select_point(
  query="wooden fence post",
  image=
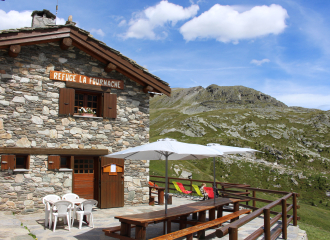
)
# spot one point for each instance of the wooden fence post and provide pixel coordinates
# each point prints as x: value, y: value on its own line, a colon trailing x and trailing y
x: 233, y: 233
x: 191, y: 188
x: 254, y: 201
x: 284, y: 220
x: 267, y: 223
x: 295, y: 222
x: 247, y: 203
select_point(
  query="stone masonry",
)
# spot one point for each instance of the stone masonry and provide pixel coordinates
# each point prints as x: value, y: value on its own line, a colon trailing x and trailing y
x: 29, y: 118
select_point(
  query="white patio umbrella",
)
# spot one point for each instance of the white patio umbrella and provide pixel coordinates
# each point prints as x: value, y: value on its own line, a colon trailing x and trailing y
x: 226, y: 150
x: 167, y: 149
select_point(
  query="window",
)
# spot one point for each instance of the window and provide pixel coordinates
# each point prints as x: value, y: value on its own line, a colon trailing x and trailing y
x: 15, y: 162
x: 103, y: 103
x: 87, y: 100
x: 59, y: 163
x: 21, y: 162
x: 83, y: 166
x: 65, y: 162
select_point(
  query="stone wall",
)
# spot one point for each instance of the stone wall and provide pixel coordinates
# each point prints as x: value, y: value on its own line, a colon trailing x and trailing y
x: 29, y: 118
x: 23, y: 191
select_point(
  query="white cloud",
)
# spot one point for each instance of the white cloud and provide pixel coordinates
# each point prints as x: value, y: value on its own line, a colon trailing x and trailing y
x: 260, y: 62
x: 307, y: 100
x: 226, y: 24
x: 146, y: 22
x: 15, y: 19
x: 98, y: 32
x: 122, y: 23
x: 61, y: 21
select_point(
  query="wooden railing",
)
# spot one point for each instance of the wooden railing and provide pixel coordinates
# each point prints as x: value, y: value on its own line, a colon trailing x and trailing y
x: 242, y: 191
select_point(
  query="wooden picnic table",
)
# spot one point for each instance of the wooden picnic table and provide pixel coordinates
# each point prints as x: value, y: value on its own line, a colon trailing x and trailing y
x: 160, y: 193
x: 142, y: 220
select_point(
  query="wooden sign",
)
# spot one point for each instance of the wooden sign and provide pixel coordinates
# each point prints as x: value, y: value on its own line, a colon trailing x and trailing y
x: 113, y: 169
x: 71, y: 77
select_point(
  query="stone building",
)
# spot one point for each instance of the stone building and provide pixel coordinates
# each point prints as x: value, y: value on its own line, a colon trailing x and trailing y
x: 47, y: 74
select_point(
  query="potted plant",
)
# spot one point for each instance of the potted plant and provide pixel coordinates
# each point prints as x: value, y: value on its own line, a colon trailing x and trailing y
x: 88, y: 112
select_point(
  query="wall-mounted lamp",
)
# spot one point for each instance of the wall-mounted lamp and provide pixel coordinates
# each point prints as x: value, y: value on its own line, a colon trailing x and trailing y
x: 155, y: 93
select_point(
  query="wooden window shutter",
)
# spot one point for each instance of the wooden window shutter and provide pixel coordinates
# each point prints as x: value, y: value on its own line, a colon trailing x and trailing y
x: 66, y: 101
x: 8, y: 162
x: 54, y: 162
x: 28, y: 162
x: 109, y: 105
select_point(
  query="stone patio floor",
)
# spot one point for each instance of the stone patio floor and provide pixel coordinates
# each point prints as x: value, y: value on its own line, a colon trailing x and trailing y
x: 18, y: 226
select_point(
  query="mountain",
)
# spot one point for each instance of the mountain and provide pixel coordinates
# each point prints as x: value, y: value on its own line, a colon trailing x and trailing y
x: 199, y: 99
x: 295, y: 141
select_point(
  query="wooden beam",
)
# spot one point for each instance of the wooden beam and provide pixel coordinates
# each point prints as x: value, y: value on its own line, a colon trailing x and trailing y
x: 33, y: 41
x: 148, y: 89
x: 88, y: 87
x: 121, y: 63
x: 93, y: 47
x: 110, y: 67
x: 53, y: 151
x: 66, y: 43
x: 14, y: 50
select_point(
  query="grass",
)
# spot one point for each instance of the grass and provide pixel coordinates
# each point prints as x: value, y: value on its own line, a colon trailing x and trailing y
x: 313, y: 232
x: 303, y: 153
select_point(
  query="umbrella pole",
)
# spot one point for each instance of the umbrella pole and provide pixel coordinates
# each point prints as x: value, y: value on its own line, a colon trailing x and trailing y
x: 214, y: 186
x: 166, y: 190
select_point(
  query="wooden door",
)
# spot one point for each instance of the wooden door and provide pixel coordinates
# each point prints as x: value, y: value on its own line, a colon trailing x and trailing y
x: 111, y: 186
x: 83, y: 179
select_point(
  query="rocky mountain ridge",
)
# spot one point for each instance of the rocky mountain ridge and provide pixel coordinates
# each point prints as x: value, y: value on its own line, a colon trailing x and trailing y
x: 295, y: 141
x: 198, y: 99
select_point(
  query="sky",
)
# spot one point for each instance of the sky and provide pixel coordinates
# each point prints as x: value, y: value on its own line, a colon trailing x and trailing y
x: 279, y: 47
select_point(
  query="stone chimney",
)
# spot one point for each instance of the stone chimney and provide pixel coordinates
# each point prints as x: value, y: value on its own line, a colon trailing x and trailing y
x: 42, y: 19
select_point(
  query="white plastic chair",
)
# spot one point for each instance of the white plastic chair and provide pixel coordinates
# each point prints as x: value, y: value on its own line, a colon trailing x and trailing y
x: 47, y: 206
x: 86, y: 208
x: 70, y: 196
x: 63, y: 211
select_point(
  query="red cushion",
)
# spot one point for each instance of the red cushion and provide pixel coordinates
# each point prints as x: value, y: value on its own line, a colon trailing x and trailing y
x: 183, y: 189
x: 209, y: 192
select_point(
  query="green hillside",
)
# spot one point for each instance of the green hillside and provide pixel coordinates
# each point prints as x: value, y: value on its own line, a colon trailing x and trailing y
x: 294, y: 141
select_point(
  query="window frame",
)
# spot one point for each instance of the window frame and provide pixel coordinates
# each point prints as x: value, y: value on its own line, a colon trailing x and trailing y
x: 107, y: 103
x: 85, y: 101
x: 9, y: 162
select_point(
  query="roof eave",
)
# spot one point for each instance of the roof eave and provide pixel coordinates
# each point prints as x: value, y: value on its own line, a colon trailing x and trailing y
x: 85, y: 42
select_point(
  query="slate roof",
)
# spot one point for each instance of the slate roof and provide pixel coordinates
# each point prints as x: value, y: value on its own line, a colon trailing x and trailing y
x: 27, y: 29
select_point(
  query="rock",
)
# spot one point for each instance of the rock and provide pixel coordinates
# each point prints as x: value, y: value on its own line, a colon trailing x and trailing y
x: 37, y: 120
x: 62, y: 60
x: 76, y: 130
x: 23, y: 142
x: 131, y: 195
x: 18, y: 99
x: 42, y: 57
x: 5, y: 103
x: 19, y: 178
x: 31, y: 98
x: 45, y: 110
x: 294, y: 181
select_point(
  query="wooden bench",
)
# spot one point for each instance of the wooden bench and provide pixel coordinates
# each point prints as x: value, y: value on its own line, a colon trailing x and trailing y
x: 188, y: 232
x: 109, y: 231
